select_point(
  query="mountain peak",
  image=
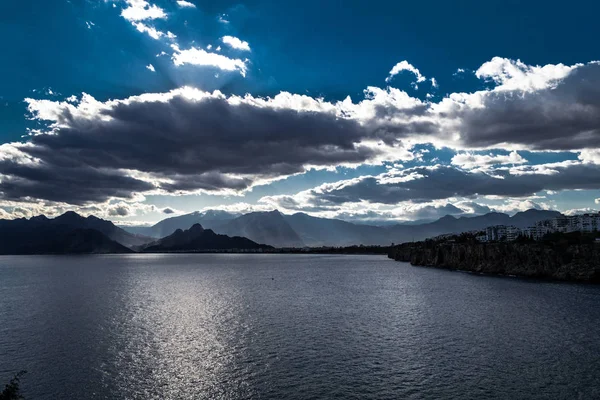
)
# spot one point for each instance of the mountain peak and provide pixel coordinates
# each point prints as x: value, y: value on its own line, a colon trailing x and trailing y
x: 69, y: 216
x: 196, y: 228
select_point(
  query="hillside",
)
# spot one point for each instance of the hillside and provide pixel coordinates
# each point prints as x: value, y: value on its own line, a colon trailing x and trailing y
x: 198, y: 239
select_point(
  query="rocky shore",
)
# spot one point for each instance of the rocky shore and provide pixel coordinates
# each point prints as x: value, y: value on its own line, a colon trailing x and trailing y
x: 546, y: 260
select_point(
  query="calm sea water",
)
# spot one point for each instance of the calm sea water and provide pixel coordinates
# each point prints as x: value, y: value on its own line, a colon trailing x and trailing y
x: 290, y: 327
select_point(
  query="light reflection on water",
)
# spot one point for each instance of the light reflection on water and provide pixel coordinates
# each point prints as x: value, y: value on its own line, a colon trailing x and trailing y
x: 290, y: 326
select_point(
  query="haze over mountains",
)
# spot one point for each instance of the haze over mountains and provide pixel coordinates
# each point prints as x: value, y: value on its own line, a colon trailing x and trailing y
x: 298, y: 230
x: 219, y: 230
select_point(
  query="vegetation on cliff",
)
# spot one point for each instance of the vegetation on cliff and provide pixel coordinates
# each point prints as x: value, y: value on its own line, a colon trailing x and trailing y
x: 570, y: 257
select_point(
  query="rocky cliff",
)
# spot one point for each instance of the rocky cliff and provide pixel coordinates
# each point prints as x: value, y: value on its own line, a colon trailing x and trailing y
x: 570, y: 262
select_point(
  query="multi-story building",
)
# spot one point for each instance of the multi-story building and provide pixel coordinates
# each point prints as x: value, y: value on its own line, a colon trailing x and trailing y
x: 574, y: 223
x: 512, y: 233
x: 537, y: 231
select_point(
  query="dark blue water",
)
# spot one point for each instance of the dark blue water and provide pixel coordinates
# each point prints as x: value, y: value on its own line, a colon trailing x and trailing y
x: 290, y: 327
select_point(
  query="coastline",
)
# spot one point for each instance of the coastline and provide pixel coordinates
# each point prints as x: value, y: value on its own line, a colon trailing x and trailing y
x: 568, y: 263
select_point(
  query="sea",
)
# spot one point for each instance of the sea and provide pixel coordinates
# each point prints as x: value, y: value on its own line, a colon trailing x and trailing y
x: 287, y: 326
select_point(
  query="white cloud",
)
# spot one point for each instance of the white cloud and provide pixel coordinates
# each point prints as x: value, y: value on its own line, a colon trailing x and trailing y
x: 223, y: 19
x: 434, y: 83
x: 405, y: 66
x: 140, y: 10
x: 476, y: 161
x: 590, y: 156
x: 196, y: 56
x: 235, y: 43
x: 516, y: 75
x: 150, y: 67
x: 185, y: 4
x: 151, y: 31
x: 578, y: 211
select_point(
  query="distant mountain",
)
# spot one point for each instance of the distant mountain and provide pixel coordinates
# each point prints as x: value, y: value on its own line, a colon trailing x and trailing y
x: 263, y: 227
x: 69, y: 232
x: 450, y: 224
x: 209, y: 219
x: 40, y: 236
x: 73, y: 220
x: 317, y: 232
x: 527, y: 218
x: 301, y: 229
x: 197, y: 239
x: 85, y: 241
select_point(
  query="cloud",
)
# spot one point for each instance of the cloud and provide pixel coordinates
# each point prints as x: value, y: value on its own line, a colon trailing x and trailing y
x: 141, y: 10
x: 185, y: 4
x: 439, y: 182
x: 185, y: 140
x: 405, y: 66
x: 553, y: 107
x: 151, y: 31
x: 475, y: 161
x: 577, y: 211
x: 150, y: 67
x: 188, y: 140
x: 235, y: 43
x: 516, y: 75
x: 197, y: 56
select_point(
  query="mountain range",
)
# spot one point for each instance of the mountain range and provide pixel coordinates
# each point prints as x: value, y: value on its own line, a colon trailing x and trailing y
x: 299, y: 230
x: 220, y: 230
x: 197, y: 238
x: 68, y: 233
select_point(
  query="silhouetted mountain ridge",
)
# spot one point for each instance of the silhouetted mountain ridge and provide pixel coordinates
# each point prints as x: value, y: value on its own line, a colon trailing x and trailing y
x: 300, y: 229
x: 197, y: 239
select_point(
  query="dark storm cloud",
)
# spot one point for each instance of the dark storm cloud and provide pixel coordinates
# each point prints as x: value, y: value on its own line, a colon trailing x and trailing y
x: 443, y: 182
x: 566, y: 117
x: 64, y: 184
x: 187, y: 140
x: 194, y: 137
x: 181, y: 144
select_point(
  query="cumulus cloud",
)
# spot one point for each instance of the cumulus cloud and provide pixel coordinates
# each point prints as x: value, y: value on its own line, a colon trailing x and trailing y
x: 428, y: 183
x: 477, y: 161
x: 151, y: 31
x: 513, y: 75
x: 188, y: 140
x: 140, y: 10
x: 235, y: 43
x: 185, y: 4
x: 150, y: 67
x: 406, y: 66
x: 201, y: 57
x: 541, y: 108
x: 181, y: 141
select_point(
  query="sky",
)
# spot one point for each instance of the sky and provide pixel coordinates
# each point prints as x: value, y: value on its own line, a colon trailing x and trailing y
x: 372, y: 112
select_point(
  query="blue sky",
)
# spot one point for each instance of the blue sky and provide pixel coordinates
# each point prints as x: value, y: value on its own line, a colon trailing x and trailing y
x: 349, y: 109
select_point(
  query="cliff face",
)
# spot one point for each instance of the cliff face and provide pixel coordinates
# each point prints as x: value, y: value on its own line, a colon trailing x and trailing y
x: 577, y: 262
